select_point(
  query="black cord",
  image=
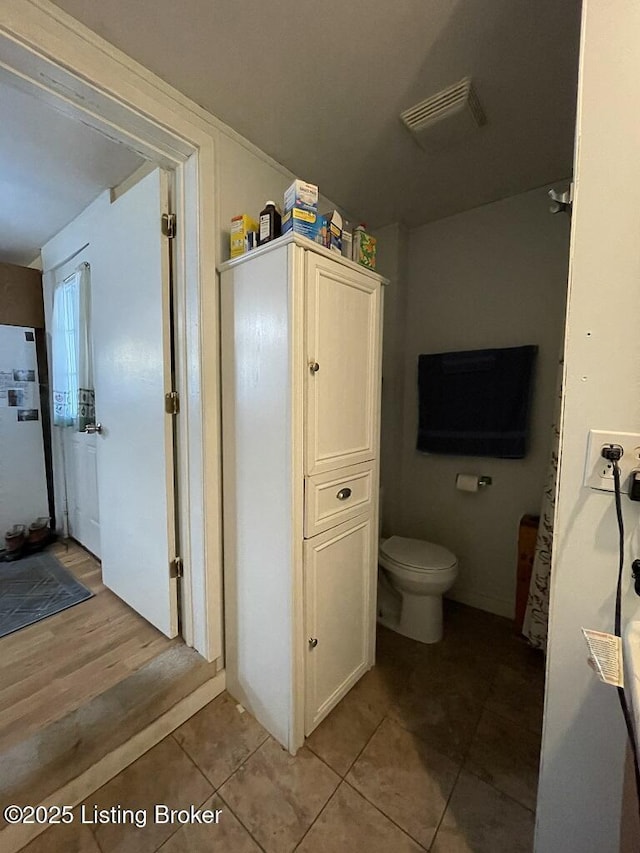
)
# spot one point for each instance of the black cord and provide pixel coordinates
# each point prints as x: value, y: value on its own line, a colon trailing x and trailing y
x: 618, y: 624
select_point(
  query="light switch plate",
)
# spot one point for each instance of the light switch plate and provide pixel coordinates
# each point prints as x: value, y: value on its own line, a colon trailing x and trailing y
x: 598, y: 472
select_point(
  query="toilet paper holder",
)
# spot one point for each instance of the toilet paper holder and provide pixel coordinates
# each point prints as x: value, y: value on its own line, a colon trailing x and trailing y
x: 471, y: 483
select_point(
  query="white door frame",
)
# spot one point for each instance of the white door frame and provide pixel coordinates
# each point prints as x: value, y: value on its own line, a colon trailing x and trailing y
x: 49, y: 54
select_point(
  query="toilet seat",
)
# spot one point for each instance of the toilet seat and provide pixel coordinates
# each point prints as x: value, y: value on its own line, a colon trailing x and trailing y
x: 417, y: 555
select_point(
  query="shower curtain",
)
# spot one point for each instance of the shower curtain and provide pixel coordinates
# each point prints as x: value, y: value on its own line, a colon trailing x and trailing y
x: 537, y: 613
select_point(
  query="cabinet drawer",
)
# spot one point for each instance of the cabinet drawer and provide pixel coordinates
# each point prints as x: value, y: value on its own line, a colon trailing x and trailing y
x: 337, y: 496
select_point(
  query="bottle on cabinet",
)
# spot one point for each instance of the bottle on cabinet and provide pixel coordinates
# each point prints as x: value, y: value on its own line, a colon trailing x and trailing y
x: 270, y: 223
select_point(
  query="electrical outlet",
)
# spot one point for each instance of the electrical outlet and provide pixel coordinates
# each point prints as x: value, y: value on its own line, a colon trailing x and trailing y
x: 605, y: 471
x: 598, y: 472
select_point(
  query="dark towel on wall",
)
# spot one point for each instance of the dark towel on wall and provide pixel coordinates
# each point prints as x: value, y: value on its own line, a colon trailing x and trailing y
x: 475, y: 403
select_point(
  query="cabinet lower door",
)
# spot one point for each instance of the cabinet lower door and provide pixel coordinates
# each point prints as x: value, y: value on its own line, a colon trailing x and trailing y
x: 339, y: 572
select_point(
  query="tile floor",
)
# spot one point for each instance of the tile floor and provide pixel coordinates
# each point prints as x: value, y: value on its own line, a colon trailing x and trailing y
x: 435, y: 749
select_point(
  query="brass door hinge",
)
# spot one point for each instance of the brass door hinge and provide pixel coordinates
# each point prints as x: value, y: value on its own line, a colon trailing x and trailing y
x: 176, y: 568
x: 169, y: 225
x: 172, y: 403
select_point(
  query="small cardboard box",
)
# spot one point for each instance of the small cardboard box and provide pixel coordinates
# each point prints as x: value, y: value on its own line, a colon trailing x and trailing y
x: 307, y: 223
x: 302, y: 195
x: 364, y: 249
x: 333, y: 233
x: 238, y: 238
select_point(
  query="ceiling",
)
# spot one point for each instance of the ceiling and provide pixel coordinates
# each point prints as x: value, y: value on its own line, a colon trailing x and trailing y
x: 51, y: 168
x: 319, y: 87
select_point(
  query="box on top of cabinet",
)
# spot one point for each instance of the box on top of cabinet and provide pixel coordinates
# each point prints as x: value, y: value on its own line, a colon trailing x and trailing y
x: 301, y: 195
x: 308, y: 223
x: 241, y: 227
x: 333, y: 231
x: 364, y: 248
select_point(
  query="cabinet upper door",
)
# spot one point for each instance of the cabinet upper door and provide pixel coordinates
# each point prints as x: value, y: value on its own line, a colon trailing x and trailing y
x: 343, y: 365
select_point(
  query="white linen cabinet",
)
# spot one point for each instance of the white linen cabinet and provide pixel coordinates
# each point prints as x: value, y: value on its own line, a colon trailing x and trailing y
x: 301, y: 356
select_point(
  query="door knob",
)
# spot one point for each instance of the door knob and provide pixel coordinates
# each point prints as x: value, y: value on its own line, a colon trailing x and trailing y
x: 91, y: 429
x: 314, y: 367
x: 313, y: 642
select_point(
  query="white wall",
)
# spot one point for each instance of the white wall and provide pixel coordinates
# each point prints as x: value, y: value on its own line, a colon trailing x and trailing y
x: 495, y: 276
x: 246, y: 181
x: 583, y: 740
x: 23, y: 485
x: 392, y: 257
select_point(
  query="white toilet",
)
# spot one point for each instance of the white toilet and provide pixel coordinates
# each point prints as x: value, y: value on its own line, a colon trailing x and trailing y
x: 412, y: 578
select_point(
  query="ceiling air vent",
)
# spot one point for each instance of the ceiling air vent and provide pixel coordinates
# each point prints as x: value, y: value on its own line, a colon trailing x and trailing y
x: 443, y: 119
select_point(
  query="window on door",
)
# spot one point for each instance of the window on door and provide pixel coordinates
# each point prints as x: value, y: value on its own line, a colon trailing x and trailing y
x: 73, y: 394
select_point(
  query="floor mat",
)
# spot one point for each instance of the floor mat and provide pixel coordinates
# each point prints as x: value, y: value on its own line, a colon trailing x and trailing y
x: 33, y: 588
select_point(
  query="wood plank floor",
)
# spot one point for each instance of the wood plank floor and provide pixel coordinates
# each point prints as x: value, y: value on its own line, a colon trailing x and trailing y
x: 50, y: 669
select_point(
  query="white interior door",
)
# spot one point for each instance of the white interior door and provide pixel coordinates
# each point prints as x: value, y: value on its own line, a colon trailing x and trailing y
x: 132, y: 370
x: 80, y: 461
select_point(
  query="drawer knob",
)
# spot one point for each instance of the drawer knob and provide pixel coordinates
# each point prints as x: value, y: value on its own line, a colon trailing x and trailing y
x: 313, y: 642
x: 343, y: 494
x: 314, y: 367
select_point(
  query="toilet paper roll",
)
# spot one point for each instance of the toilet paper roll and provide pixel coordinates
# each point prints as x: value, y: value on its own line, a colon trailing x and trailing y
x: 467, y: 482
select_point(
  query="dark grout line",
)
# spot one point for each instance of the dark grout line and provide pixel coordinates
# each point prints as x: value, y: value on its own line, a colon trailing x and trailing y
x: 326, y: 763
x: 458, y: 758
x: 364, y: 796
x: 244, y: 761
x: 466, y: 752
x: 313, y: 822
x: 95, y: 838
x: 237, y: 817
x: 499, y: 790
x: 373, y: 734
x: 348, y: 770
x: 446, y: 805
x: 203, y: 772
x: 537, y: 732
x: 384, y: 815
x: 341, y: 777
x: 198, y: 805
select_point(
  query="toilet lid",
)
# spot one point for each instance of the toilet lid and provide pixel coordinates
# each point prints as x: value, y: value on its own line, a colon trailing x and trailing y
x: 417, y: 553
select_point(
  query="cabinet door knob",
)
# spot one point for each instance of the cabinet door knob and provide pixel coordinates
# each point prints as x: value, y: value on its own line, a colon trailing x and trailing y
x: 313, y: 642
x: 343, y: 494
x: 314, y: 367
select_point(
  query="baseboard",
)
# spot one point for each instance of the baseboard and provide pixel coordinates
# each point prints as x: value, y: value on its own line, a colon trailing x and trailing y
x: 14, y: 838
x: 483, y: 602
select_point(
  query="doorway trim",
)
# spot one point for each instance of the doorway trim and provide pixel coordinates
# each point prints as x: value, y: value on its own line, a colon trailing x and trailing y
x: 51, y: 55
